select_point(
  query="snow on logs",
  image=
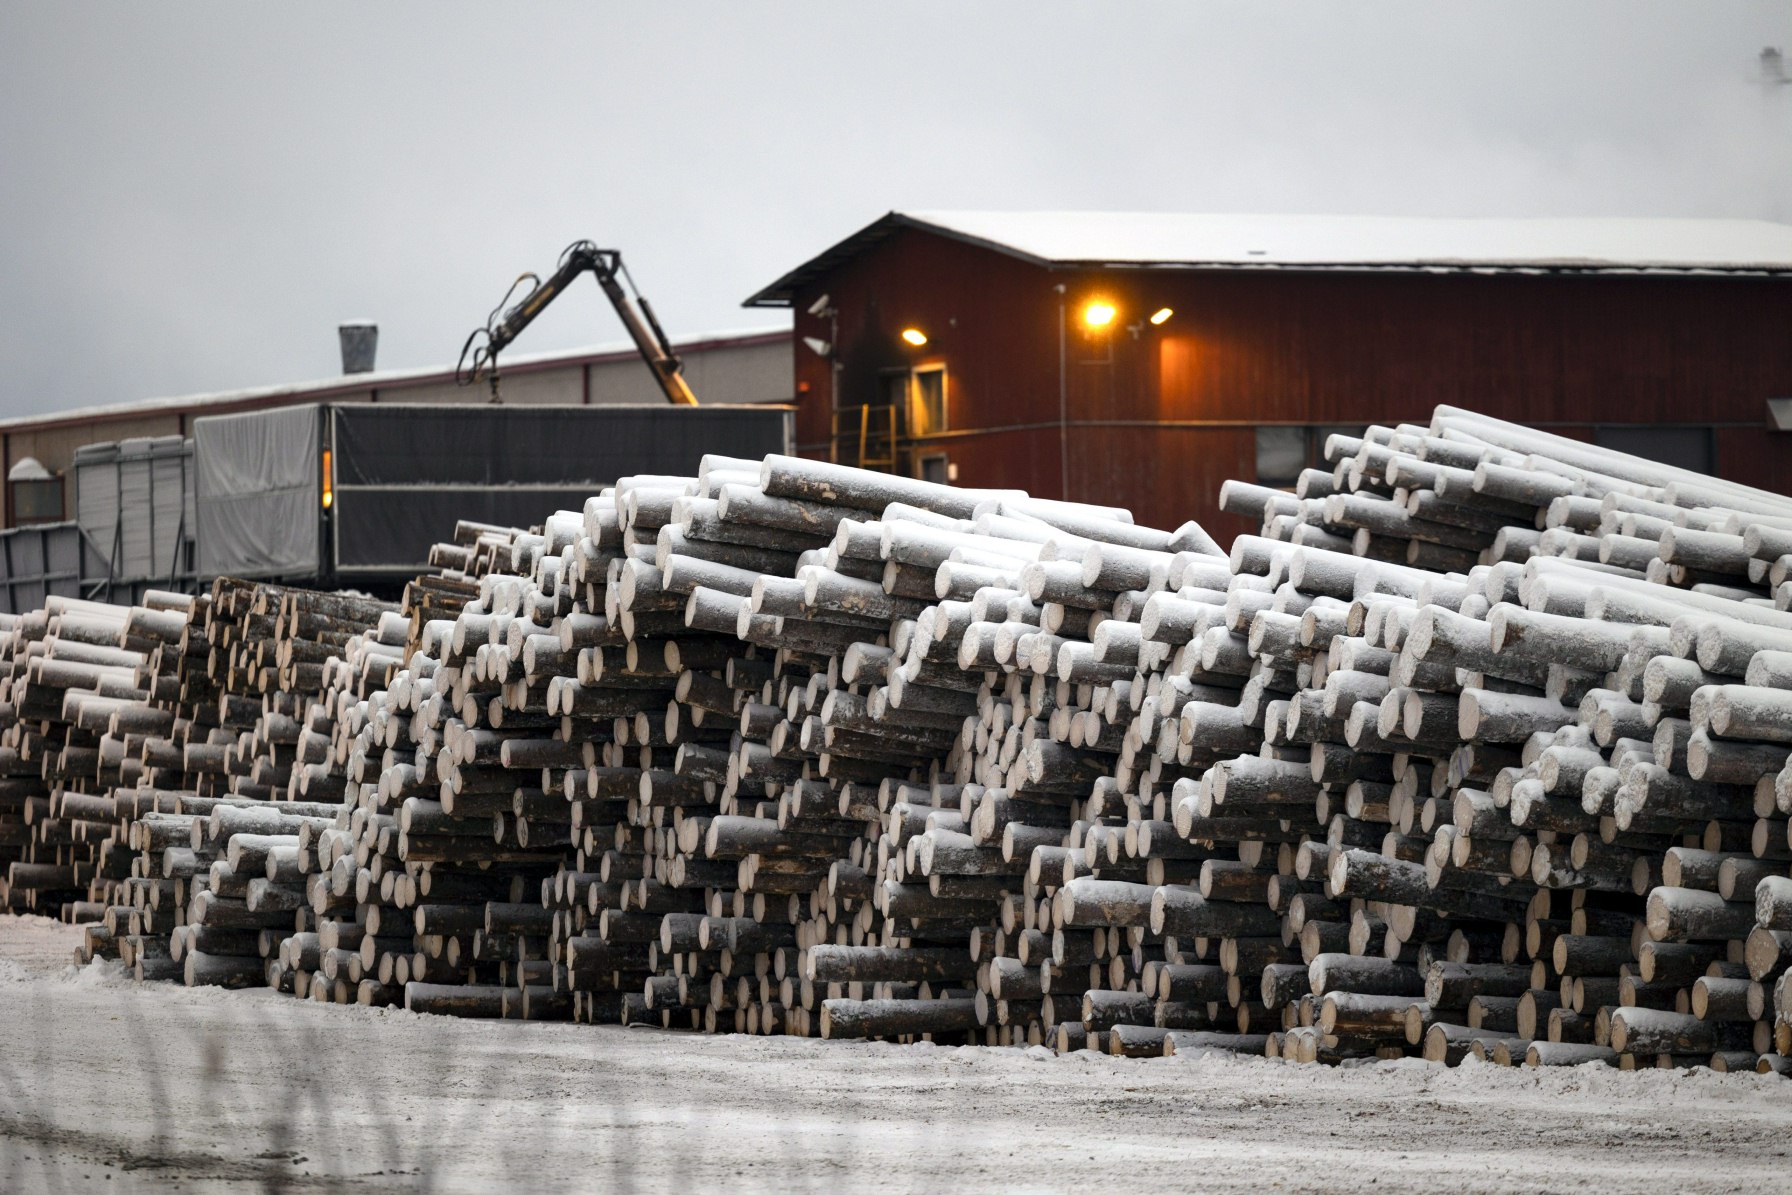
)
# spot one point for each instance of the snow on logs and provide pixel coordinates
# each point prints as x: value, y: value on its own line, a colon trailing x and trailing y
x: 168, y: 757
x: 1480, y: 747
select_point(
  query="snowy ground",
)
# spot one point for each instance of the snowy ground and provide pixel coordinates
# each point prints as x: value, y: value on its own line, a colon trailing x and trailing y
x: 106, y: 1085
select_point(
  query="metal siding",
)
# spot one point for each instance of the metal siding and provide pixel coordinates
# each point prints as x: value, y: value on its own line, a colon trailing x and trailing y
x: 172, y: 492
x: 1026, y: 460
x: 96, y: 481
x: 1360, y: 348
x: 136, y: 512
x: 1245, y: 348
x: 1756, y: 457
x: 49, y: 558
x: 990, y: 319
x: 514, y: 390
x: 1165, y: 475
x: 750, y: 373
x: 55, y: 446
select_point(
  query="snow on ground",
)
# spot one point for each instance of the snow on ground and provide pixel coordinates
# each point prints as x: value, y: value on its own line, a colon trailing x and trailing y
x: 105, y: 1084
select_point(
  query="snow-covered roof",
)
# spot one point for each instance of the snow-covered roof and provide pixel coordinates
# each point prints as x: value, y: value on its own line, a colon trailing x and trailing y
x: 1225, y: 242
x: 325, y: 388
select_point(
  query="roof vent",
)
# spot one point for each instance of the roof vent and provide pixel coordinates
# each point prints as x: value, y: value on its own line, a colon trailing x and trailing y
x: 1773, y: 67
x: 360, y: 339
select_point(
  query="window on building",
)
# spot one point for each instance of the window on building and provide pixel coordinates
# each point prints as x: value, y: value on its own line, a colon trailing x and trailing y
x: 37, y: 501
x: 936, y: 467
x: 927, y: 398
x: 35, y: 494
x: 1681, y: 446
x: 1282, y: 453
x: 896, y: 390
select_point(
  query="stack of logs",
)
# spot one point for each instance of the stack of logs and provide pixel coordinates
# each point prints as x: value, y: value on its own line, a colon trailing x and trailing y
x: 143, y: 738
x: 1552, y: 785
x: 1480, y: 747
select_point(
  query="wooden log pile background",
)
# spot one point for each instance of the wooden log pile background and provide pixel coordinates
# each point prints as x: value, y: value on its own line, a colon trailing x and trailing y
x: 1480, y: 746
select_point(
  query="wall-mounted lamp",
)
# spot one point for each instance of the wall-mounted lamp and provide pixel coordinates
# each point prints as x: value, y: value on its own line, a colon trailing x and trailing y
x: 1098, y: 314
x: 1160, y: 315
x: 914, y: 336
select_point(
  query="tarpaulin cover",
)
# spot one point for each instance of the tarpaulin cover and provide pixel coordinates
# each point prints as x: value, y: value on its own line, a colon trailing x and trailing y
x: 406, y: 473
x: 256, y: 498
x: 381, y: 529
x: 497, y: 446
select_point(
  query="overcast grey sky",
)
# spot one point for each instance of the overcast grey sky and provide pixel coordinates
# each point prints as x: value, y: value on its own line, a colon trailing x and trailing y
x: 194, y: 195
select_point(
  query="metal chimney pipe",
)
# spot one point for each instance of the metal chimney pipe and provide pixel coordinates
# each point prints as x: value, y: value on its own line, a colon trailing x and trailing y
x: 360, y: 340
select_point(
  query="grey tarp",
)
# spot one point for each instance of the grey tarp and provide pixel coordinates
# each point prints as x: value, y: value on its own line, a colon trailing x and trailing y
x: 257, y: 497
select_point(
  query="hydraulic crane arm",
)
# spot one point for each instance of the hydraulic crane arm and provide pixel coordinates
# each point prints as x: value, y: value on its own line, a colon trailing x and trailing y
x: 480, y: 353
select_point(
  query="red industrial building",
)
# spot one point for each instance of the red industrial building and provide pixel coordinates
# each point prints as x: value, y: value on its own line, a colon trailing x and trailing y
x: 1143, y: 358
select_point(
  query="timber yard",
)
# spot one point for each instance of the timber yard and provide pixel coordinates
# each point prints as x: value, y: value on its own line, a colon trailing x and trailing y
x: 1066, y: 697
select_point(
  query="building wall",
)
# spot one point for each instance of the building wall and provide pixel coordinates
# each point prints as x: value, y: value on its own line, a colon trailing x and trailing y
x: 516, y: 388
x: 744, y: 369
x: 727, y: 373
x: 990, y: 318
x: 1159, y: 416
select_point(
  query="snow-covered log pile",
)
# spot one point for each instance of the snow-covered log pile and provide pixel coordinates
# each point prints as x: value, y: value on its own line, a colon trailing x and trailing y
x: 143, y: 738
x: 1551, y: 783
x: 64, y: 671
x: 1481, y: 746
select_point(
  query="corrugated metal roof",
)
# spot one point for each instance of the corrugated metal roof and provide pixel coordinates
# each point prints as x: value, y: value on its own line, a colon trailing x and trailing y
x: 1225, y: 242
x: 325, y: 388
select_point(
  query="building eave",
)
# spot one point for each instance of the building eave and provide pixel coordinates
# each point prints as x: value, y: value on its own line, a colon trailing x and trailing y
x: 783, y: 291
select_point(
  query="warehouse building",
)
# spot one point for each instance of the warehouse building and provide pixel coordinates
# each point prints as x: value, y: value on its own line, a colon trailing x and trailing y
x: 37, y: 453
x: 1142, y: 358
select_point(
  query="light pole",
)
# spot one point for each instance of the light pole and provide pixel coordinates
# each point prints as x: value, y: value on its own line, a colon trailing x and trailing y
x: 1063, y: 397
